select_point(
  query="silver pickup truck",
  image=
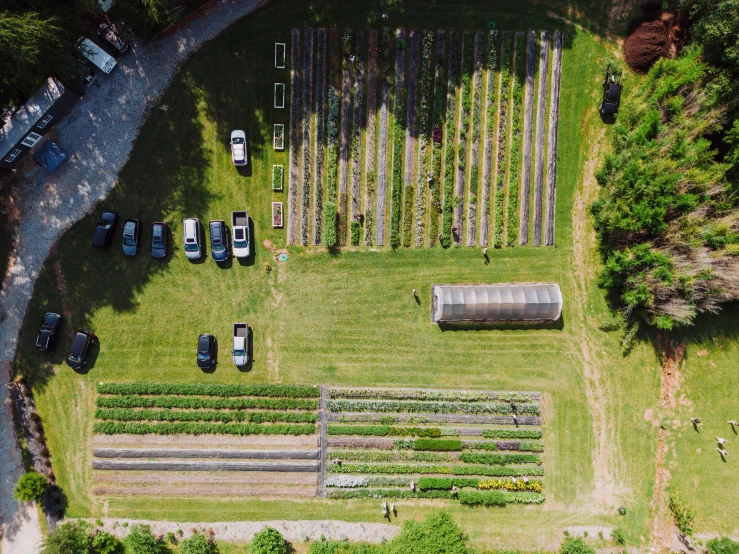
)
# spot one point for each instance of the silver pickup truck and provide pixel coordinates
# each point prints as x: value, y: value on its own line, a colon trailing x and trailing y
x: 241, y: 344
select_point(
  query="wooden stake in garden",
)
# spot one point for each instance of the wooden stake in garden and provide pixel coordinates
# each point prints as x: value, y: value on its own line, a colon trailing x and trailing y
x: 552, y: 140
x: 528, y: 116
x: 541, y: 110
x: 294, y: 177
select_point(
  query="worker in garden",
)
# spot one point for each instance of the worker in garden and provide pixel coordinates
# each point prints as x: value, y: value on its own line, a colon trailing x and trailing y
x: 720, y: 440
x: 415, y: 293
x: 723, y: 453
x: 733, y: 423
x: 695, y: 421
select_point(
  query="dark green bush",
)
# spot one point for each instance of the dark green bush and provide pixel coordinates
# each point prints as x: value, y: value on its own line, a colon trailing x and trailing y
x: 445, y: 483
x: 198, y: 544
x: 724, y: 545
x: 437, y: 534
x: 441, y: 445
x: 572, y: 545
x: 31, y: 487
x: 74, y: 537
x: 268, y: 541
x: 140, y: 540
x: 476, y: 498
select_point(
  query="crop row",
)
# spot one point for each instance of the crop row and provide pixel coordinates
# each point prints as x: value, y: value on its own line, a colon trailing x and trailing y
x: 424, y: 132
x: 515, y: 141
x: 449, y: 140
x: 499, y: 459
x: 511, y: 433
x: 127, y: 414
x: 330, y: 237
x: 476, y: 126
x: 511, y: 485
x: 446, y: 483
x: 398, y: 133
x: 436, y: 140
x: 505, y: 77
x: 471, y: 498
x: 383, y: 431
x: 356, y: 141
x: 431, y: 395
x: 491, y: 106
x: 430, y: 407
x: 193, y: 389
x: 405, y: 469
x: 388, y: 493
x: 320, y: 118
x: 384, y: 456
x: 466, y: 102
x: 194, y: 403
x: 506, y: 445
x: 112, y: 428
x: 307, y: 115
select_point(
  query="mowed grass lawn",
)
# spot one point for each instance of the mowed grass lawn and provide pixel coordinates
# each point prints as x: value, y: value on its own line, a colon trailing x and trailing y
x: 345, y: 317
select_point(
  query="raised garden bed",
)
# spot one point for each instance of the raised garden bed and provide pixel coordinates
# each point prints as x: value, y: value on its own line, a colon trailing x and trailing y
x: 278, y: 177
x: 280, y: 55
x: 279, y: 100
x: 277, y: 215
x: 278, y: 140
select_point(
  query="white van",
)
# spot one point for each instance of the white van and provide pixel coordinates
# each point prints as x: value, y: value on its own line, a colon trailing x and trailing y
x: 96, y: 55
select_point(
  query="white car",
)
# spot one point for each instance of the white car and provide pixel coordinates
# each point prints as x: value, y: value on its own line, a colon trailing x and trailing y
x: 192, y: 238
x: 238, y: 148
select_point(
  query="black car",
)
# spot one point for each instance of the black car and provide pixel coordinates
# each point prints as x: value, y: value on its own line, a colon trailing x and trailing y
x: 113, y: 39
x: 611, y: 95
x: 47, y: 336
x: 131, y: 237
x: 80, y: 347
x: 158, y: 239
x: 104, y: 229
x: 218, y: 240
x: 206, y: 351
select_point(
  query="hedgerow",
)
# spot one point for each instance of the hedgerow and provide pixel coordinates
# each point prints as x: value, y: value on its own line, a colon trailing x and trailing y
x: 511, y: 433
x: 127, y: 414
x: 445, y: 483
x: 383, y: 431
x: 112, y: 428
x: 290, y: 391
x: 505, y: 78
x: 437, y: 445
x: 429, y: 407
x: 429, y: 395
x: 477, y: 498
x: 490, y: 471
x: 499, y: 459
x: 518, y: 77
x: 205, y: 403
x: 449, y: 141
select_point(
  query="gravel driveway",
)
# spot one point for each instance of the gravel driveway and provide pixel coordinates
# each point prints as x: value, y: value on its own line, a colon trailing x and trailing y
x: 97, y: 135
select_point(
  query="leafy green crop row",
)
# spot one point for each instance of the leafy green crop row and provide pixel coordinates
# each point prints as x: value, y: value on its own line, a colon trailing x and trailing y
x: 127, y: 414
x: 492, y: 66
x: 383, y: 431
x: 511, y: 433
x: 424, y: 135
x: 433, y: 395
x: 445, y: 483
x: 290, y: 391
x: 437, y: 445
x: 476, y: 125
x: 429, y: 407
x: 499, y: 459
x: 320, y: 126
x: 111, y: 428
x: 132, y: 401
x: 467, y: 54
x: 476, y: 498
x: 517, y: 94
x: 449, y: 141
x: 388, y: 493
x: 398, y: 134
x: 505, y: 78
x: 436, y: 142
x: 405, y: 469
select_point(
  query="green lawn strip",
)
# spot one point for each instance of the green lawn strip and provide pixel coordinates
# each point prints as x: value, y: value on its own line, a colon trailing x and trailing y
x: 468, y: 48
x: 189, y: 402
x: 437, y: 133
x: 515, y: 153
x: 128, y: 414
x: 502, y: 157
x: 397, y: 126
x: 111, y: 428
x: 291, y: 391
x: 450, y: 134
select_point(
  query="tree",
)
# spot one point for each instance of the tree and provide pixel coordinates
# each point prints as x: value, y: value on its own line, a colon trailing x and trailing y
x: 105, y: 543
x: 715, y: 26
x: 71, y: 538
x: 31, y: 487
x: 724, y: 545
x: 572, y: 545
x: 140, y: 540
x: 437, y: 534
x: 268, y: 541
x: 198, y: 544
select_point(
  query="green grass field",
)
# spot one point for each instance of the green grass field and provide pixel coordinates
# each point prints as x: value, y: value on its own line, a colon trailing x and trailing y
x: 349, y: 318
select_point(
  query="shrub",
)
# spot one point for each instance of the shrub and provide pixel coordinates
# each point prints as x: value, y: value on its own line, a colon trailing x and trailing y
x: 476, y: 498
x: 198, y: 544
x: 105, y: 543
x: 140, y: 540
x: 444, y: 483
x: 572, y: 545
x: 618, y: 535
x: 437, y: 534
x: 290, y: 391
x: 682, y: 514
x: 70, y: 538
x: 268, y: 541
x: 724, y: 545
x: 31, y: 487
x: 437, y: 445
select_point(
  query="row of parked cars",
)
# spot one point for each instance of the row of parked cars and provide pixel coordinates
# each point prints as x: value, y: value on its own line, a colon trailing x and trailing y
x: 207, y: 345
x: 48, y: 337
x: 219, y: 236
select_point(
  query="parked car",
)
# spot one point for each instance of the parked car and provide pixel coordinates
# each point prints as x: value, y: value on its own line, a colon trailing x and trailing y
x: 611, y: 95
x: 113, y: 39
x: 131, y: 237
x: 80, y: 348
x: 206, y: 351
x: 158, y: 239
x: 96, y: 55
x: 238, y: 148
x: 104, y: 229
x: 240, y: 232
x: 192, y: 238
x: 240, y: 352
x: 218, y: 240
x: 47, y: 336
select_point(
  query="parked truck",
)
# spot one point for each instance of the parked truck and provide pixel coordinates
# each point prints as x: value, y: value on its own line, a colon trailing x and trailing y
x: 240, y: 231
x: 241, y: 344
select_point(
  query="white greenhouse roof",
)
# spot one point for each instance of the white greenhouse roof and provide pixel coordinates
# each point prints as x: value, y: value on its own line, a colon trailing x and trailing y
x: 496, y: 302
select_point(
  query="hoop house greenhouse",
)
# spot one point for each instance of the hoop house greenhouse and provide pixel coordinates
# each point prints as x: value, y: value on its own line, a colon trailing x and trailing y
x: 499, y: 302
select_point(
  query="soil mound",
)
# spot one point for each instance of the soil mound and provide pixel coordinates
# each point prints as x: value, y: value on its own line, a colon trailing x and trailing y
x: 657, y: 34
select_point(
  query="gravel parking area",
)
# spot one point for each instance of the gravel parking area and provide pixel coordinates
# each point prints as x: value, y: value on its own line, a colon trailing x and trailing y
x: 98, y: 136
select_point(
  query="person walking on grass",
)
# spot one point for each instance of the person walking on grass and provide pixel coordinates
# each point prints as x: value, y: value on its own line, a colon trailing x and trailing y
x: 695, y: 421
x: 723, y: 453
x: 415, y: 293
x: 733, y: 423
x: 720, y: 441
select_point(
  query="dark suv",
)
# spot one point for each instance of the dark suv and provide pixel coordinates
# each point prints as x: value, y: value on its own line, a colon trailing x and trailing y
x: 80, y: 347
x: 47, y: 336
x: 218, y: 240
x: 104, y: 229
x: 206, y: 351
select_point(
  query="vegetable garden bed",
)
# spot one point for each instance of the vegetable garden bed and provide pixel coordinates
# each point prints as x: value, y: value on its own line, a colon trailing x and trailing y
x: 278, y: 178
x: 277, y: 215
x: 278, y: 139
x: 280, y: 55
x: 279, y: 97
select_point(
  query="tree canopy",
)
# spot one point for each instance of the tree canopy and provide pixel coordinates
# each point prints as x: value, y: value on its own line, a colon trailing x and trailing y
x: 31, y: 487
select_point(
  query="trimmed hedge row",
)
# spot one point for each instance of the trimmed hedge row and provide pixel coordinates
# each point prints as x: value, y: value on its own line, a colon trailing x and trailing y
x: 111, y: 428
x: 438, y: 445
x: 127, y: 414
x: 488, y: 471
x: 208, y: 403
x: 445, y: 483
x: 477, y: 498
x: 383, y: 431
x: 430, y: 395
x: 511, y: 434
x: 429, y: 407
x: 499, y: 459
x: 289, y: 391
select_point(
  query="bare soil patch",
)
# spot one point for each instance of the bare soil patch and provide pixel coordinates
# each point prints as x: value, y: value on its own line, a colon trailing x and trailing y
x: 110, y: 478
x: 657, y: 34
x: 203, y: 490
x: 184, y: 441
